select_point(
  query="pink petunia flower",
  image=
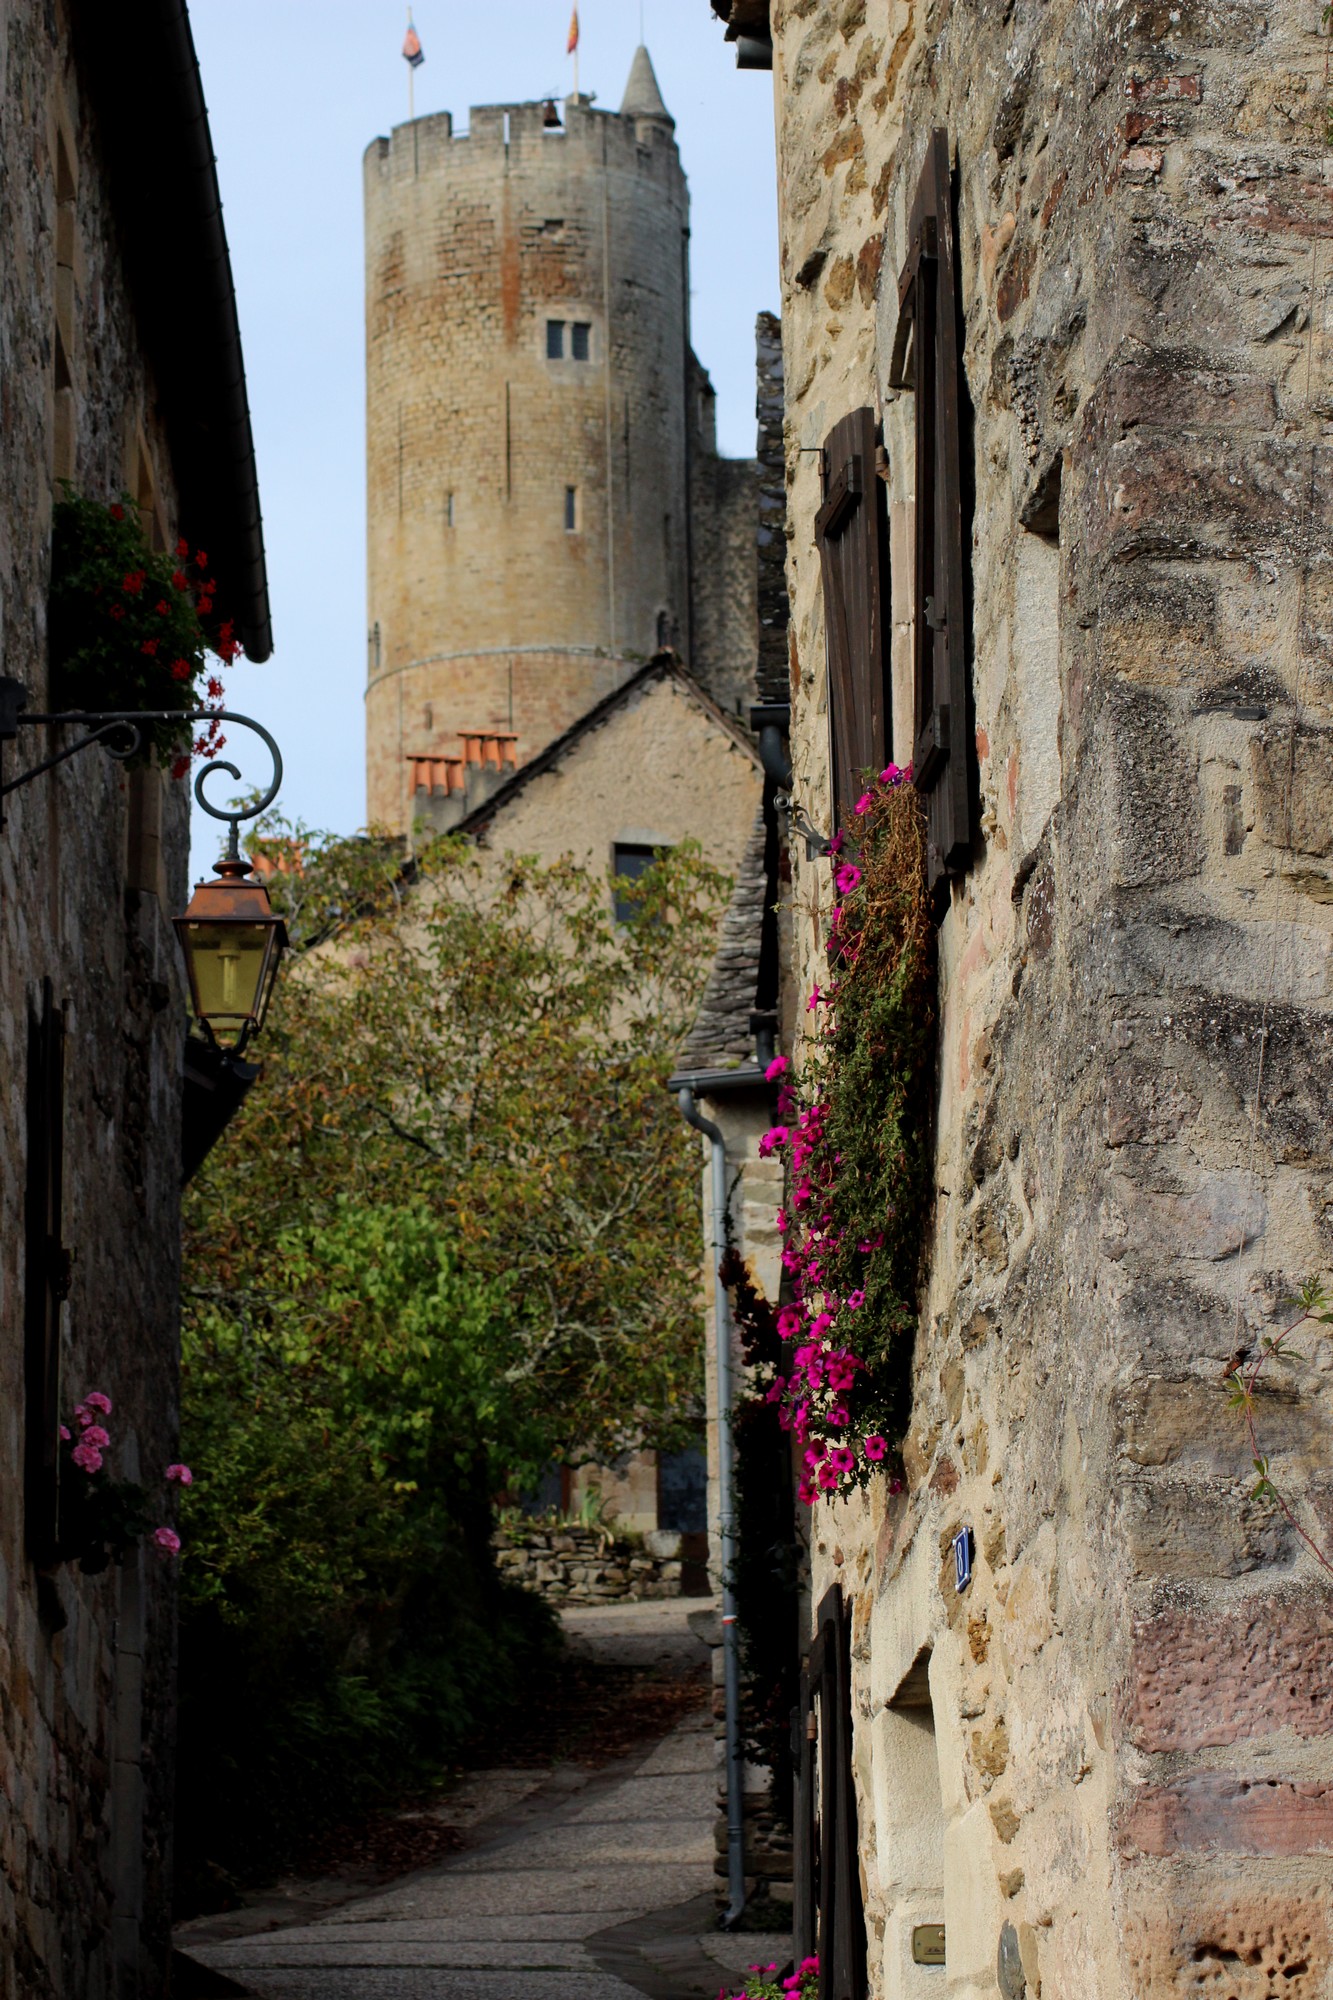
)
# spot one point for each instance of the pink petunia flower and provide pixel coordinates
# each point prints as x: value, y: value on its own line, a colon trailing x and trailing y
x: 839, y: 1417
x: 891, y: 776
x: 875, y: 1448
x: 848, y: 878
x: 776, y: 1136
x: 864, y: 803
x: 167, y: 1540
x: 841, y: 1459
x: 790, y: 1322
x: 855, y: 1299
x: 836, y: 844
x: 815, y: 998
x: 778, y: 1067
x: 180, y: 1475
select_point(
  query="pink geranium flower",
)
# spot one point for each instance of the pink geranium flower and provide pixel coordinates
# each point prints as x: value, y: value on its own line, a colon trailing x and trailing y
x: 168, y: 1540
x: 94, y: 1435
x: 180, y: 1475
x: 97, y: 1401
x: 87, y: 1457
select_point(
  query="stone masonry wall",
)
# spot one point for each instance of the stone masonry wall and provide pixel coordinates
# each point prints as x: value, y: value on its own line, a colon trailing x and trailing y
x: 1119, y: 1780
x: 86, y: 1663
x: 584, y: 1566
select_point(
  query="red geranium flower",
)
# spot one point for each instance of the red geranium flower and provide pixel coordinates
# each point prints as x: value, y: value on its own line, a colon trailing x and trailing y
x: 202, y: 560
x: 117, y: 610
x: 182, y: 547
x: 180, y: 670
x: 215, y: 689
x: 179, y: 578
x: 180, y: 767
x: 150, y: 647
x: 162, y: 608
x: 133, y: 583
x: 116, y: 511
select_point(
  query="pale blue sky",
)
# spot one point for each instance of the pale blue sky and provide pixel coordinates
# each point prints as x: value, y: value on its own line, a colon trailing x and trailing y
x: 296, y: 90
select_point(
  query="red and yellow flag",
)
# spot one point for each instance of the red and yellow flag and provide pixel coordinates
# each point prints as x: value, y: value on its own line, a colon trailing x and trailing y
x: 573, y: 41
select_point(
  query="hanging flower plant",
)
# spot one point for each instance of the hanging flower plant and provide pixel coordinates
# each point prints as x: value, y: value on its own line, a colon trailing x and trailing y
x: 132, y: 627
x: 102, y: 1518
x: 763, y: 1983
x: 856, y: 1140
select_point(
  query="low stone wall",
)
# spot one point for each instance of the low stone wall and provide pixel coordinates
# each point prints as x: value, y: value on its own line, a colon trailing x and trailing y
x: 587, y: 1565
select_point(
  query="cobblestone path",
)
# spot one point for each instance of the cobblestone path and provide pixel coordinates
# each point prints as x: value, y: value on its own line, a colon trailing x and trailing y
x: 576, y: 1885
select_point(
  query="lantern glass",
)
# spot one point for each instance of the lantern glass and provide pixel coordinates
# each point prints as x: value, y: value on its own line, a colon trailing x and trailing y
x: 229, y: 975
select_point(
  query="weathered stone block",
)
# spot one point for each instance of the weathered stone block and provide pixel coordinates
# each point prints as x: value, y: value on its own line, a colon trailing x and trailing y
x: 1199, y: 1679
x: 1246, y: 1946
x: 1214, y: 1811
x: 1163, y: 1423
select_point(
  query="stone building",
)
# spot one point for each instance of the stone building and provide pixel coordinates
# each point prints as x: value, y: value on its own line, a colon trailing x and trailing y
x: 122, y: 373
x: 1055, y: 281
x: 546, y: 504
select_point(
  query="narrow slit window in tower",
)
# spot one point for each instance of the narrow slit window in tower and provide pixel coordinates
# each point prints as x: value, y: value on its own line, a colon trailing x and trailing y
x: 448, y: 510
x: 555, y: 340
x: 571, y: 510
x: 581, y: 340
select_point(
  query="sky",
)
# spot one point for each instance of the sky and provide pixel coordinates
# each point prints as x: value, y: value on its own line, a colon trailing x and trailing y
x: 296, y: 90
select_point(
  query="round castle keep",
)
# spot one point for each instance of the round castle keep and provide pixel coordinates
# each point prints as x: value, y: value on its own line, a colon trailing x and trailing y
x: 528, y: 381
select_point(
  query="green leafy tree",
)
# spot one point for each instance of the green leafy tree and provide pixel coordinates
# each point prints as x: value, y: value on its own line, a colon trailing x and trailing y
x: 453, y: 1235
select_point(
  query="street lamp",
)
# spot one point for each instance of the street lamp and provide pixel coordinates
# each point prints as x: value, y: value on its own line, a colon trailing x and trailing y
x: 231, y: 938
x: 232, y: 941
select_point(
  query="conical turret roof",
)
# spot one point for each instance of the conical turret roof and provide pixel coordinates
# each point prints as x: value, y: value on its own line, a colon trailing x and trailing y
x: 642, y: 97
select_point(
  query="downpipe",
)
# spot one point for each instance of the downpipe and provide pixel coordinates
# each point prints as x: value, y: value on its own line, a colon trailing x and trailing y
x: 731, y: 1666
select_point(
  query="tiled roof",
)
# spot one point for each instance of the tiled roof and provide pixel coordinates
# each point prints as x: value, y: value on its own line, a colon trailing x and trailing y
x: 720, y: 1037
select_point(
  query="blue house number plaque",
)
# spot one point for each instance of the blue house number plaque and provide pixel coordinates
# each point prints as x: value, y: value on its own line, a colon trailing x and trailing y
x: 962, y: 1558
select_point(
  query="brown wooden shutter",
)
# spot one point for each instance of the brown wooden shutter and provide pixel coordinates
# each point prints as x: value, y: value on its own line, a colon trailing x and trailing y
x: 852, y: 538
x: 827, y: 1888
x: 926, y: 359
x: 46, y: 1274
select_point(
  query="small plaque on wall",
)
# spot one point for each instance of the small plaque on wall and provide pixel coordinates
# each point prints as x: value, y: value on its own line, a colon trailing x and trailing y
x: 962, y: 1559
x: 928, y: 1944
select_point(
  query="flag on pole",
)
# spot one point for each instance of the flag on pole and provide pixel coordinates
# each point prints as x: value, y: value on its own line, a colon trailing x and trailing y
x: 571, y: 45
x: 412, y: 52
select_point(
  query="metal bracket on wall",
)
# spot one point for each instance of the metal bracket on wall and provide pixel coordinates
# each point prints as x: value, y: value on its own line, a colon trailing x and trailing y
x: 120, y: 733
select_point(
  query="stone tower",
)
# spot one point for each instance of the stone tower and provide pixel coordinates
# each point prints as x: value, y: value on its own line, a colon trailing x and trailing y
x: 536, y: 426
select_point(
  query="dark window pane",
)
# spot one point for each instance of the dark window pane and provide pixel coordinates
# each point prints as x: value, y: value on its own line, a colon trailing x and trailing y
x: 571, y: 508
x: 682, y: 1490
x: 555, y: 339
x: 630, y: 861
x: 581, y: 340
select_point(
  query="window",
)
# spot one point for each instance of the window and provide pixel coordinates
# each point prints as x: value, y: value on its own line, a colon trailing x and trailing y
x: 630, y: 859
x: 448, y: 510
x: 580, y: 340
x: 927, y: 359
x: 571, y: 510
x: 555, y: 340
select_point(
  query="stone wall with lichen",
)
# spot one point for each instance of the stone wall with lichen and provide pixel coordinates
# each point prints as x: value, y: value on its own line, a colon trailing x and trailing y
x: 92, y: 864
x: 1109, y: 1774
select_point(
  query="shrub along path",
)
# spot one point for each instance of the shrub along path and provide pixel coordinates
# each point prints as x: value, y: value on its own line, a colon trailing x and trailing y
x: 586, y: 1881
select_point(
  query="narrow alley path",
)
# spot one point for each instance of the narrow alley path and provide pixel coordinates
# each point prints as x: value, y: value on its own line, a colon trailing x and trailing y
x: 575, y: 1884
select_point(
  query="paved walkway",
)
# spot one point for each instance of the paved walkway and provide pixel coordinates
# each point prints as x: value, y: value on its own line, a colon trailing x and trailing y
x: 576, y: 1885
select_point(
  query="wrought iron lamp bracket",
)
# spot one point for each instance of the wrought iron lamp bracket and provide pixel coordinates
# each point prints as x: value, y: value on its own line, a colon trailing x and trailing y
x: 817, y: 844
x: 120, y: 733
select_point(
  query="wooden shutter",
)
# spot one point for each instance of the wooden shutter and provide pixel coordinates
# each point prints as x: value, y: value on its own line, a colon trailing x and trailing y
x: 46, y: 1274
x: 828, y: 1916
x: 926, y: 359
x: 852, y: 538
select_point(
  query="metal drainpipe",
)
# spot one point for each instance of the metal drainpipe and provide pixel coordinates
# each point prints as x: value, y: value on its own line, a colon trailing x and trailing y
x: 731, y: 1666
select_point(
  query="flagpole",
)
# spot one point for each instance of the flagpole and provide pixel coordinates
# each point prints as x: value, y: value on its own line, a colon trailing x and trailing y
x: 411, y: 82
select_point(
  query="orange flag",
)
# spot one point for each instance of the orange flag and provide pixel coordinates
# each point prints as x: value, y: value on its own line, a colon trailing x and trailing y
x: 573, y: 41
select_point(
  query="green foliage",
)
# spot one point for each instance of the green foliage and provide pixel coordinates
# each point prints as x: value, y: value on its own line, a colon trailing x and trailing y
x: 127, y: 622
x: 447, y: 1241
